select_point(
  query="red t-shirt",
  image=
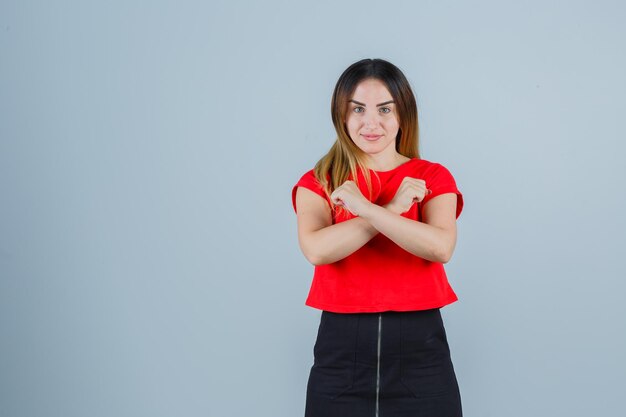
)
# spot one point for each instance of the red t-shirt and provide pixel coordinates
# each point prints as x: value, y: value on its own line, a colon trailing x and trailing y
x: 381, y: 276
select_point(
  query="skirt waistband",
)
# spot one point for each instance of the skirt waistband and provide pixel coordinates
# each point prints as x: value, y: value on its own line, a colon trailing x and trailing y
x: 398, y: 332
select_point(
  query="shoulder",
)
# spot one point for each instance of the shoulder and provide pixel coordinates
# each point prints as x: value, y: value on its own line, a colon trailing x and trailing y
x: 439, y: 180
x: 307, y: 175
x: 309, y: 178
x: 309, y: 181
x: 429, y: 168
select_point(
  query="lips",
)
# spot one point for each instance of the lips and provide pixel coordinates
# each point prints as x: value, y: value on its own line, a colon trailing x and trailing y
x: 371, y: 137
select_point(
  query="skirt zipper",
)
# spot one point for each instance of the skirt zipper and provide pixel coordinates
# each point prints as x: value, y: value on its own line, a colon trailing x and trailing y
x: 380, y: 324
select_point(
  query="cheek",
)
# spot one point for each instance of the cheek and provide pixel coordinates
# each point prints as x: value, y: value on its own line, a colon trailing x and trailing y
x: 352, y: 124
x: 392, y: 124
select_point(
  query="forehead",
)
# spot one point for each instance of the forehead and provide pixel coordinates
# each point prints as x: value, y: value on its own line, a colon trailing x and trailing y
x: 371, y: 90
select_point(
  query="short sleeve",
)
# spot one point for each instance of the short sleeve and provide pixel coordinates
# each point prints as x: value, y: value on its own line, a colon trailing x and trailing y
x: 309, y: 181
x: 440, y: 181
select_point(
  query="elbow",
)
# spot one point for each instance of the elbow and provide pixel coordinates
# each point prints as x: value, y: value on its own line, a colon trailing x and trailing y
x: 445, y: 258
x: 312, y: 252
x: 319, y: 260
x: 314, y: 257
x: 443, y: 254
x: 317, y: 257
x: 308, y: 250
x: 444, y: 249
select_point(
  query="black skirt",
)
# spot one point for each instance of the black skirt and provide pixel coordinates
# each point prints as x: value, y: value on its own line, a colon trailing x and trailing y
x: 389, y: 364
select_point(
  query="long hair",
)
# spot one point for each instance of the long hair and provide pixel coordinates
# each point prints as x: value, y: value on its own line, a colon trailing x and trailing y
x: 344, y: 157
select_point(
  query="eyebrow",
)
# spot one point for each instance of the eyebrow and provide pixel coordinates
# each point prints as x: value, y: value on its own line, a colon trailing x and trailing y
x: 378, y: 105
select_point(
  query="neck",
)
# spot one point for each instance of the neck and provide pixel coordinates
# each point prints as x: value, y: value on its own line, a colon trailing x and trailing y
x: 387, y: 165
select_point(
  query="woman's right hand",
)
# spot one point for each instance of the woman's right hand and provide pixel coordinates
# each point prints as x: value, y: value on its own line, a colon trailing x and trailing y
x: 409, y: 191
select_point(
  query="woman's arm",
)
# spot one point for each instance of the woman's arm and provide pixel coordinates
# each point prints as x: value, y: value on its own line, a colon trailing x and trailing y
x: 321, y: 241
x: 433, y: 239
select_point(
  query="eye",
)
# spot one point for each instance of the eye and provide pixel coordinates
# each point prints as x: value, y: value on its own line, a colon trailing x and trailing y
x: 385, y: 110
x: 358, y: 109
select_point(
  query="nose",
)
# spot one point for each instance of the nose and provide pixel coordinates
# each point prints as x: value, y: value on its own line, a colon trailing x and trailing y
x: 371, y: 120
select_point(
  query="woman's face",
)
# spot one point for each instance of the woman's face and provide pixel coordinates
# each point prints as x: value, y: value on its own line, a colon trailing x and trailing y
x: 372, y: 120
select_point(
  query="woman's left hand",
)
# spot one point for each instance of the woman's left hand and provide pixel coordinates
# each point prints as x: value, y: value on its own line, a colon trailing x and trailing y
x: 349, y: 196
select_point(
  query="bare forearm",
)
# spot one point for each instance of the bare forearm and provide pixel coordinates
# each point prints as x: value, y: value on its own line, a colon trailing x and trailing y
x: 420, y: 239
x: 335, y: 242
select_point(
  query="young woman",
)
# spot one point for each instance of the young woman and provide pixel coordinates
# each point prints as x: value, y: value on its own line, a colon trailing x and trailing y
x: 378, y: 222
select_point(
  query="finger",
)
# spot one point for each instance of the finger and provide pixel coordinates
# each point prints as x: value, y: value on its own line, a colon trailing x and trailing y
x: 429, y: 191
x: 424, y: 196
x: 414, y: 180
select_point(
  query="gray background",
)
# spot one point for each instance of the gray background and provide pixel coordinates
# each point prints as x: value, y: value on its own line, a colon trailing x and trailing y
x: 149, y: 263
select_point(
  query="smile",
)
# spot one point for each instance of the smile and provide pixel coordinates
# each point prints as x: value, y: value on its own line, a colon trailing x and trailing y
x: 372, y: 137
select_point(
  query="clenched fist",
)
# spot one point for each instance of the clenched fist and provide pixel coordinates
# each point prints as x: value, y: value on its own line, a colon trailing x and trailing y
x: 409, y: 191
x: 349, y: 196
